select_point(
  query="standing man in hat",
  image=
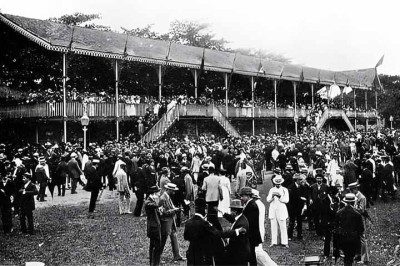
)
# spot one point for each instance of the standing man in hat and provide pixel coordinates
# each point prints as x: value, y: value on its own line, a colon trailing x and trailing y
x: 27, y: 204
x: 75, y: 172
x: 251, y: 212
x: 297, y: 200
x: 319, y: 191
x: 153, y: 225
x: 61, y: 174
x: 43, y: 177
x: 212, y: 187
x: 238, y: 250
x: 278, y: 197
x: 168, y: 220
x: 204, y: 241
x: 94, y: 184
x: 361, y: 206
x: 7, y: 189
x: 123, y: 189
x: 349, y: 228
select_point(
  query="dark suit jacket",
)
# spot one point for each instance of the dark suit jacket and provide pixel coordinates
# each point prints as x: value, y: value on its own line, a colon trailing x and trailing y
x: 153, y: 218
x: 93, y: 177
x: 252, y: 214
x: 238, y: 248
x: 317, y: 195
x: 295, y: 204
x: 74, y: 169
x: 27, y: 200
x: 204, y: 239
x: 349, y: 228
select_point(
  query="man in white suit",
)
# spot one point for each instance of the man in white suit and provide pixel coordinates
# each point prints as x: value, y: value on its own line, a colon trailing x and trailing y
x: 278, y: 196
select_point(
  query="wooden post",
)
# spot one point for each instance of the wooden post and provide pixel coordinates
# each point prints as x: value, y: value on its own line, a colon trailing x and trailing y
x: 275, y: 107
x: 366, y: 107
x: 312, y: 96
x: 159, y: 82
x: 195, y: 83
x: 252, y: 101
x: 376, y: 107
x: 116, y: 99
x: 355, y: 111
x: 64, y: 79
x: 37, y: 133
x: 341, y: 96
x: 226, y: 95
x: 328, y: 91
x: 295, y: 104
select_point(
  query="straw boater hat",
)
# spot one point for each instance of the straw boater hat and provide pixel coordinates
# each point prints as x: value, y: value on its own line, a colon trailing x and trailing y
x: 318, y: 153
x: 171, y: 186
x: 277, y: 180
x: 236, y: 204
x: 354, y: 185
x: 349, y: 197
x: 153, y: 189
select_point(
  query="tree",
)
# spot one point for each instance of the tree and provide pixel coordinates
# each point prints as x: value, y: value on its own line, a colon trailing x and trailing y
x: 79, y: 19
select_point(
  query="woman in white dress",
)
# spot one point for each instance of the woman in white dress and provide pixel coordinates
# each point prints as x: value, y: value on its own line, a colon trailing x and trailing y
x: 225, y: 185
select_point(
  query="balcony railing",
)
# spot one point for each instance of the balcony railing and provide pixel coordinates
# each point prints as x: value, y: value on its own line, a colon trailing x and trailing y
x: 107, y: 110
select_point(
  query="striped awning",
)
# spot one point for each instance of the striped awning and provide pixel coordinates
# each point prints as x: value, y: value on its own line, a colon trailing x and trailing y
x: 63, y: 38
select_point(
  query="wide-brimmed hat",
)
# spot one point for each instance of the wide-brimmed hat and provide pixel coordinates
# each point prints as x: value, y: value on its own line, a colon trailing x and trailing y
x: 349, y: 197
x: 318, y: 153
x: 184, y: 169
x: 74, y: 155
x: 297, y: 176
x: 353, y: 185
x: 246, y: 191
x: 153, y: 189
x: 47, y: 144
x: 96, y: 161
x: 289, y: 167
x: 277, y: 180
x: 236, y: 204
x: 171, y: 186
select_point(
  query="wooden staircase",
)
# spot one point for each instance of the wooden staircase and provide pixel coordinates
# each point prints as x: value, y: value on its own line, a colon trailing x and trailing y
x: 162, y: 125
x: 223, y: 121
x: 336, y: 114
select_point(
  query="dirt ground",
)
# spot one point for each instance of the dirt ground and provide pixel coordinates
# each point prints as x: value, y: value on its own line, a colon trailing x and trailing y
x: 64, y: 235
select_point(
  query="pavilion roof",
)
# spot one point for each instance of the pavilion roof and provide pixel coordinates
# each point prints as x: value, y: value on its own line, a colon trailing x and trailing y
x: 64, y: 38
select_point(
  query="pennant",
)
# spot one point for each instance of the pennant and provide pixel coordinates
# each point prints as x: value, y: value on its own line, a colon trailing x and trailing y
x: 380, y: 61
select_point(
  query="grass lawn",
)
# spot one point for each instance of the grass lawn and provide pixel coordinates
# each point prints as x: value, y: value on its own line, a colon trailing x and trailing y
x: 64, y: 235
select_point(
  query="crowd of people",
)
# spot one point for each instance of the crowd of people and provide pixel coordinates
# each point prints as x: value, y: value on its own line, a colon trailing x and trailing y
x: 329, y: 178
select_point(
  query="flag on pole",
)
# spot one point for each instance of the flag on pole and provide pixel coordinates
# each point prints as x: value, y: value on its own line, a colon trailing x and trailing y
x: 380, y: 61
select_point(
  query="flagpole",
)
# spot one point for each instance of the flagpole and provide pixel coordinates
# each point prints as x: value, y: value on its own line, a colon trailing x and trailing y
x: 275, y: 108
x: 252, y: 100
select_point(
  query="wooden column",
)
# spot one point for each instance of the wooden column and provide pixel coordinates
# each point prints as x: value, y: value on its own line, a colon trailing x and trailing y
x: 275, y: 107
x: 116, y: 99
x: 195, y: 83
x: 295, y: 104
x: 37, y: 133
x: 376, y: 107
x: 355, y: 111
x: 252, y: 102
x: 312, y: 95
x: 366, y: 106
x: 328, y: 92
x: 341, y: 96
x: 64, y: 79
x: 159, y: 82
x: 226, y: 95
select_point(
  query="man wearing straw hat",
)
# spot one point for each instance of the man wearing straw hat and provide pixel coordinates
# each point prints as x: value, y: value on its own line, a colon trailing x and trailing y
x: 168, y: 220
x: 349, y: 228
x: 153, y: 225
x: 278, y: 196
x: 27, y: 203
x: 94, y: 184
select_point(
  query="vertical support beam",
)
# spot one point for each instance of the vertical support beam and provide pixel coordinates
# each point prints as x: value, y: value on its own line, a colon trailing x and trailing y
x: 342, y: 96
x: 275, y: 107
x: 117, y: 99
x: 295, y: 105
x: 328, y: 94
x: 64, y: 79
x: 226, y: 95
x: 252, y: 103
x: 355, y: 111
x: 376, y: 107
x: 159, y: 82
x: 366, y: 108
x: 37, y: 133
x: 197, y: 128
x: 195, y: 83
x: 312, y: 95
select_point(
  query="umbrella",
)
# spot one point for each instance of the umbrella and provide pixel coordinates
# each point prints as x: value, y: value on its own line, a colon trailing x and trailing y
x: 347, y: 90
x: 334, y: 91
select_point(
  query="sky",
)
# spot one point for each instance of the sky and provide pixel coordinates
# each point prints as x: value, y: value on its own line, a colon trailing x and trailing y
x: 334, y: 35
